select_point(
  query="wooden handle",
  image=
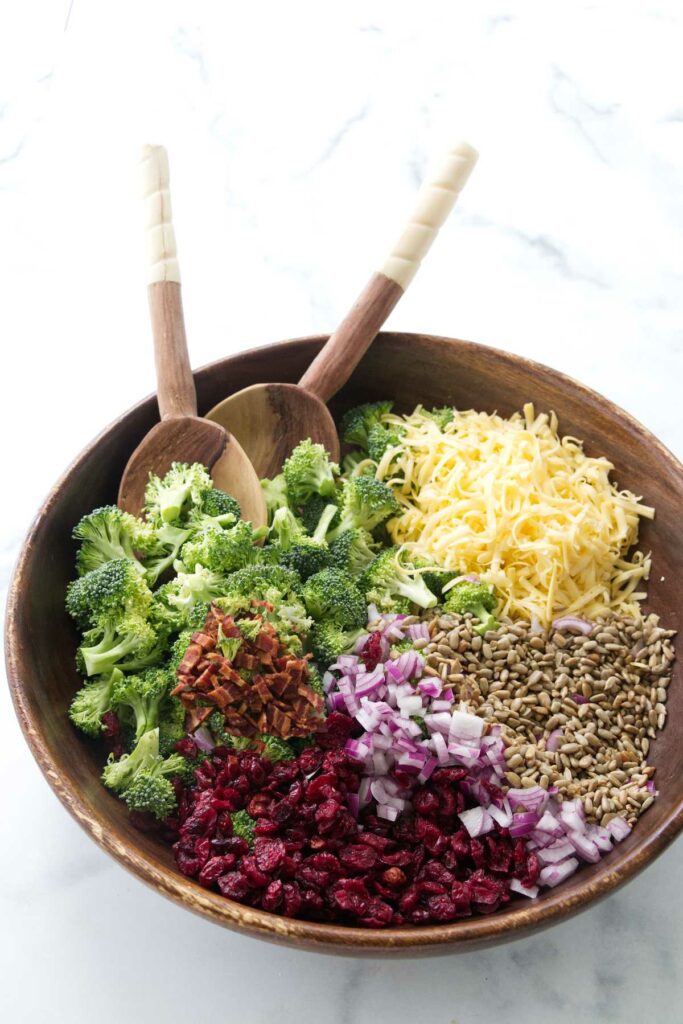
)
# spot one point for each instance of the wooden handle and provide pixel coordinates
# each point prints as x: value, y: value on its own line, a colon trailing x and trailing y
x: 337, y: 360
x: 175, y: 385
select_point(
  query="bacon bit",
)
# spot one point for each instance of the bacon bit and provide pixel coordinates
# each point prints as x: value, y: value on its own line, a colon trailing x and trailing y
x: 276, y: 700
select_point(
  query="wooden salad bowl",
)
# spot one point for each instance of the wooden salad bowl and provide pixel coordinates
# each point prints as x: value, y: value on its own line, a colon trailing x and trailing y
x: 409, y: 368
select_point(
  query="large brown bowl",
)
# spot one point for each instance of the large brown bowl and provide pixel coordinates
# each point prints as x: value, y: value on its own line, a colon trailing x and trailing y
x: 410, y: 368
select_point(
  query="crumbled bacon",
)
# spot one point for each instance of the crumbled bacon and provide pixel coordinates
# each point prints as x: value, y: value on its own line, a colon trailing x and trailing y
x: 274, y: 699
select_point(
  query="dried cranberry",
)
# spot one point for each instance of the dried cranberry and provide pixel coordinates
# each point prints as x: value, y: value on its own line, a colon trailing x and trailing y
x: 269, y: 854
x: 377, y: 914
x: 371, y: 651
x: 441, y: 908
x: 187, y: 747
x: 255, y: 877
x: 460, y: 894
x: 273, y: 897
x: 426, y: 802
x: 214, y: 868
x: 234, y: 886
x: 358, y: 858
x: 292, y: 899
x: 351, y: 896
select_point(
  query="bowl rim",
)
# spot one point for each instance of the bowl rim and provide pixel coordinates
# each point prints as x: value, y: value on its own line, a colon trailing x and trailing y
x: 459, y: 936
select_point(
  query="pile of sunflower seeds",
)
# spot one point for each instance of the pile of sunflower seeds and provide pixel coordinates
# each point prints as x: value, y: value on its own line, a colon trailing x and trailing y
x: 577, y: 712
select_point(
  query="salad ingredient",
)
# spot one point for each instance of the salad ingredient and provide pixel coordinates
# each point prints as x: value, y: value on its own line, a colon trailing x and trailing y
x: 308, y: 471
x: 477, y: 599
x: 353, y: 551
x: 366, y: 503
x: 143, y: 777
x: 92, y: 702
x: 183, y: 486
x: 389, y: 576
x: 357, y: 423
x: 328, y: 641
x: 253, y: 681
x: 332, y: 596
x: 275, y: 494
x: 221, y: 549
x: 297, y: 550
x: 108, y: 534
x: 512, y: 500
x: 577, y: 712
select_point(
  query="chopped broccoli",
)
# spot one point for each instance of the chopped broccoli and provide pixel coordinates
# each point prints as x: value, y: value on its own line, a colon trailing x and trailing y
x: 333, y: 595
x: 138, y: 698
x: 222, y: 738
x: 275, y: 749
x: 353, y: 551
x: 305, y: 555
x: 169, y: 541
x: 221, y: 550
x: 381, y: 438
x: 308, y: 471
x: 254, y: 580
x: 275, y: 494
x: 171, y: 724
x: 142, y: 777
x: 280, y: 588
x: 475, y: 598
x: 183, y: 487
x: 115, y: 602
x: 390, y: 576
x: 243, y: 826
x: 220, y: 506
x: 356, y: 423
x: 108, y: 534
x: 366, y: 502
x: 328, y: 641
x: 178, y: 649
x: 436, y: 579
x: 314, y: 508
x: 442, y: 417
x: 92, y: 701
x: 175, y: 601
x: 315, y: 680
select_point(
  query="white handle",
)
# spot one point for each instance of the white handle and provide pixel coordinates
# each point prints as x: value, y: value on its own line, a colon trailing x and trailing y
x: 435, y: 200
x: 154, y: 185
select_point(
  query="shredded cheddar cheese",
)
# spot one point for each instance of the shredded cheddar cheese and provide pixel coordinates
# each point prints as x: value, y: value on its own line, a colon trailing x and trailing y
x: 526, y: 509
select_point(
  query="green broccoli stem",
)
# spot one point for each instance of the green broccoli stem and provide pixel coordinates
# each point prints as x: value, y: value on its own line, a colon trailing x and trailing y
x: 320, y: 532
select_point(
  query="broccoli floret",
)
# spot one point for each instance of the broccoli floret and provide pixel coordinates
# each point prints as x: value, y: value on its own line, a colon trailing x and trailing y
x: 142, y: 778
x: 138, y: 698
x: 475, y: 598
x: 366, y: 502
x: 222, y: 738
x: 169, y: 541
x: 221, y: 550
x: 308, y: 471
x: 333, y: 595
x: 305, y: 555
x: 275, y: 494
x: 92, y: 701
x: 171, y: 724
x: 436, y: 579
x: 183, y: 487
x: 315, y: 681
x: 442, y: 417
x: 275, y: 749
x: 220, y: 506
x: 114, y: 601
x: 254, y: 580
x: 108, y: 534
x: 353, y: 551
x: 314, y: 508
x: 390, y: 576
x: 175, y: 602
x: 380, y: 438
x: 179, y: 648
x: 328, y: 641
x: 357, y: 422
x: 243, y: 826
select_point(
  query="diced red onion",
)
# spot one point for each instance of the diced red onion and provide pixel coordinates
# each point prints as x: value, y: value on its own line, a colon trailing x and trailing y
x: 387, y: 812
x: 601, y: 837
x: 500, y: 815
x: 532, y: 799
x: 353, y: 804
x: 553, y: 874
x: 203, y: 739
x: 574, y: 624
x: 618, y: 828
x: 523, y: 824
x: 584, y: 846
x: 430, y: 687
x: 553, y: 740
x: 535, y: 627
x: 573, y: 816
x: 429, y: 766
x: 411, y: 705
x: 476, y: 821
x: 550, y: 824
x: 555, y: 852
x: 418, y: 631
x: 524, y: 890
x: 440, y: 722
x: 440, y: 748
x: 464, y: 726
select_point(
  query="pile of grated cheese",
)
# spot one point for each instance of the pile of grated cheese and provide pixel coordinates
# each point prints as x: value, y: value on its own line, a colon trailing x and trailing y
x: 526, y: 509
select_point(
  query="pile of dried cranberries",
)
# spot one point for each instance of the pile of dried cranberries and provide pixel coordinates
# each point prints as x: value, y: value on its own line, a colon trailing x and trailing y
x: 311, y: 859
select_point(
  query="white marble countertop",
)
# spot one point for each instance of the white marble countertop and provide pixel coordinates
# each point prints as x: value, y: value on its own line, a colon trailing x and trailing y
x: 297, y: 133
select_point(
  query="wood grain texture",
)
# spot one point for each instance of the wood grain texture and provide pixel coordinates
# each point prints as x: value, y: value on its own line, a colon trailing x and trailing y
x: 333, y: 366
x: 409, y: 368
x: 269, y: 420
x: 175, y: 386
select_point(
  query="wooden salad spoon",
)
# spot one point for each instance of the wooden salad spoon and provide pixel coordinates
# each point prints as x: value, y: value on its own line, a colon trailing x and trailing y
x: 181, y: 436
x: 271, y: 419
